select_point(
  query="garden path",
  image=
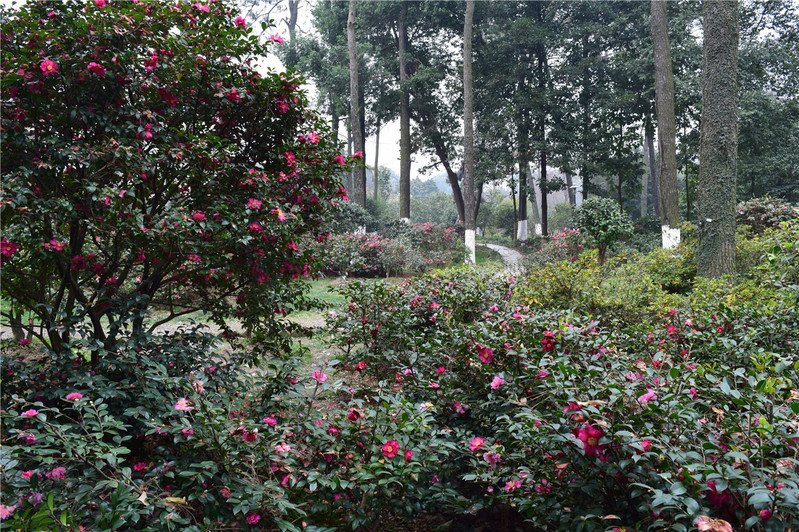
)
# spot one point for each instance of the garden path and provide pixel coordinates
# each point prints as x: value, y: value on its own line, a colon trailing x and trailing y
x: 511, y: 257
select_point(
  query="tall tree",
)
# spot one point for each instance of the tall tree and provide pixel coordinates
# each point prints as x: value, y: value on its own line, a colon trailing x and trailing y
x: 667, y: 130
x: 468, y: 132
x: 405, y: 115
x: 359, y: 177
x: 719, y: 140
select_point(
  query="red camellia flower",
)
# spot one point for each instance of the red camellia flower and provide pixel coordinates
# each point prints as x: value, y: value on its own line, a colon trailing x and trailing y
x: 590, y: 436
x: 390, y: 449
x: 408, y: 455
x: 548, y: 343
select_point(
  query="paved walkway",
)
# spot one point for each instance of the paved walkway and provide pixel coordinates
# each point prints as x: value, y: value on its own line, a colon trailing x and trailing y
x: 510, y: 256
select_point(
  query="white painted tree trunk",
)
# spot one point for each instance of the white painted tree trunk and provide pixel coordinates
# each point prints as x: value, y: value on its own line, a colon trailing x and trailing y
x: 538, y: 229
x: 671, y: 236
x: 469, y: 238
x: 521, y: 231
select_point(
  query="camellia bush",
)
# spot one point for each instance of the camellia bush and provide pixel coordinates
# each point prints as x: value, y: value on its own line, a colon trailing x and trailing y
x: 148, y: 163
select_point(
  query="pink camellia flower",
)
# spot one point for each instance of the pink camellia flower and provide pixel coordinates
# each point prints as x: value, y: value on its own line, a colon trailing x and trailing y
x: 6, y: 511
x: 96, y: 68
x: 27, y: 474
x: 648, y: 396
x: 497, y: 382
x: 493, y: 459
x: 441, y: 370
x: 24, y: 341
x: 339, y: 159
x: 276, y: 38
x: 188, y: 431
x: 357, y: 155
x: 56, y: 473
x: 282, y: 447
x: 74, y: 396
x: 198, y: 216
x: 241, y: 22
x: 7, y: 247
x: 290, y: 158
x: 183, y: 405
x: 390, y: 449
x: 249, y: 436
x: 281, y: 217
x: 225, y: 492
x: 476, y: 443
x: 99, y: 3
x: 590, y: 436
x: 29, y: 413
x: 270, y: 420
x: 253, y: 204
x: 319, y: 376
x: 48, y: 67
x: 512, y: 485
x: 253, y: 518
x: 408, y: 455
x: 205, y: 9
x: 139, y: 466
x: 693, y: 393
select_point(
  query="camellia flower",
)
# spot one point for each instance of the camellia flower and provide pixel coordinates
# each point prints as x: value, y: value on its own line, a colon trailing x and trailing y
x: 339, y: 159
x: 590, y: 436
x: 99, y: 3
x: 29, y: 413
x: 497, y: 382
x: 493, y: 459
x: 319, y: 376
x: 276, y: 38
x: 270, y: 420
x: 7, y: 248
x: 390, y: 449
x: 240, y: 22
x: 183, y: 405
x: 96, y: 68
x: 486, y: 354
x: 254, y: 204
x: 648, y: 396
x: 282, y: 447
x: 253, y: 518
x: 476, y: 443
x: 74, y: 396
x: 56, y: 473
x: 48, y: 67
x: 548, y: 343
x: 409, y: 456
x: 281, y: 217
x: 24, y: 341
x: 6, y: 511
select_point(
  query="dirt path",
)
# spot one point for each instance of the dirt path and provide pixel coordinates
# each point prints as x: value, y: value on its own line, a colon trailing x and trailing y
x: 511, y: 257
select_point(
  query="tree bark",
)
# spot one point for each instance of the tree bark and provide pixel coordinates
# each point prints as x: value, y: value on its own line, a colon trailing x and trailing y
x: 523, y: 143
x: 405, y: 117
x: 653, y: 171
x: 468, y: 133
x: 359, y: 173
x: 718, y: 140
x: 667, y: 129
x: 375, y: 176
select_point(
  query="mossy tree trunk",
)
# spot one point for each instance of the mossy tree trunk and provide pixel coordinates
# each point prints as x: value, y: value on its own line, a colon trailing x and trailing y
x: 719, y: 140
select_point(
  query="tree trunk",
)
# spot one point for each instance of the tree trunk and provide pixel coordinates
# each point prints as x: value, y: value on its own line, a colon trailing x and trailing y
x: 359, y: 177
x: 667, y: 130
x: 544, y: 192
x: 653, y: 172
x: 291, y: 58
x: 377, y: 167
x: 718, y: 151
x: 645, y: 183
x: 524, y: 179
x: 468, y: 133
x: 405, y: 118
x: 533, y: 199
x: 570, y: 189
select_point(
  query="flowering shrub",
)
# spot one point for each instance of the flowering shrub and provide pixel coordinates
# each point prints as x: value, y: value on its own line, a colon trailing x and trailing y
x: 564, y: 245
x: 398, y: 249
x: 763, y: 213
x: 569, y: 423
x: 159, y: 169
